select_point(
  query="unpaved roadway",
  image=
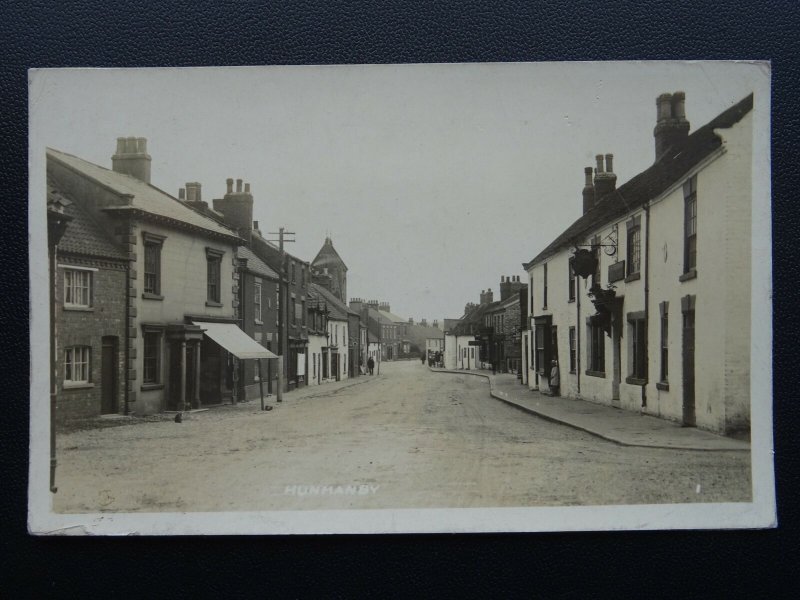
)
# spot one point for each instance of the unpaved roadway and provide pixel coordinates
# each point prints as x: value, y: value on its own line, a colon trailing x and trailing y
x: 408, y: 438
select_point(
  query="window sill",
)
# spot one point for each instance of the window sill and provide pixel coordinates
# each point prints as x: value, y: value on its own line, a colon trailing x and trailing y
x: 147, y: 387
x: 570, y: 300
x: 83, y: 385
x: 258, y: 322
x: 690, y: 274
x: 633, y: 277
x: 635, y: 381
x: 662, y: 385
x: 151, y: 296
x: 75, y: 308
x: 213, y: 303
x: 601, y: 374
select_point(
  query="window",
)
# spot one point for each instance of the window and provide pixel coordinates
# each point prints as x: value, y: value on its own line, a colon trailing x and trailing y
x: 571, y: 280
x: 572, y: 351
x: 596, y: 349
x: 638, y: 347
x: 151, y: 362
x: 544, y: 288
x: 294, y: 311
x: 152, y: 264
x: 539, y: 341
x: 530, y: 312
x: 293, y: 272
x: 303, y: 275
x: 77, y: 288
x: 77, y: 365
x: 257, y: 302
x: 634, y: 246
x: 690, y: 225
x: 596, y: 254
x: 213, y: 269
x: 664, y: 306
x: 303, y: 313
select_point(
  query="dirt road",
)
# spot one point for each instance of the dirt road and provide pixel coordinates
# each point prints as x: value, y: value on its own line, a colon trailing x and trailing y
x: 406, y: 439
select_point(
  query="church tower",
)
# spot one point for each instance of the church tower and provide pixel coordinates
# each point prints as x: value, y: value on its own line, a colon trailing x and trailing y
x: 329, y: 262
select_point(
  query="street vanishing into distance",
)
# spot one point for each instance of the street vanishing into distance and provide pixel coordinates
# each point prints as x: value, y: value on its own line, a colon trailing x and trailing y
x: 407, y: 438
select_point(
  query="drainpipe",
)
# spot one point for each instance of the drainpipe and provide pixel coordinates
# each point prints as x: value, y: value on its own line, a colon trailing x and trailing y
x: 646, y: 301
x: 578, y: 334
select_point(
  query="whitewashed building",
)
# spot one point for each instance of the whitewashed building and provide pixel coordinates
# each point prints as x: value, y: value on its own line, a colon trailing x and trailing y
x: 661, y: 322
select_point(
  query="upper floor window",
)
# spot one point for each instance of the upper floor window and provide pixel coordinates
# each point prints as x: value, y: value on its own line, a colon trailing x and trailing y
x: 77, y: 362
x: 257, y: 301
x: 690, y: 225
x: 293, y: 272
x: 303, y: 275
x: 571, y: 280
x: 152, y: 264
x: 77, y: 288
x: 213, y: 270
x: 634, y: 246
x: 304, y: 313
x: 544, y: 286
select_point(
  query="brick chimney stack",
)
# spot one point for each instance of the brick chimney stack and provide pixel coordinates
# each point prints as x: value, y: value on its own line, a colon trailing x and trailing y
x: 671, y: 124
x: 237, y: 208
x: 131, y: 158
x: 509, y: 286
x: 605, y: 180
x: 588, y: 190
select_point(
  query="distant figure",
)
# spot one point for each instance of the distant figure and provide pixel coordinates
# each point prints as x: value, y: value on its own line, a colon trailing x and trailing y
x: 423, y: 360
x: 555, y: 380
x: 371, y: 365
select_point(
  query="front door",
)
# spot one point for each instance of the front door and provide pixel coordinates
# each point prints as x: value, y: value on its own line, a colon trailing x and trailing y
x: 335, y: 365
x: 108, y: 401
x: 689, y: 417
x: 616, y: 373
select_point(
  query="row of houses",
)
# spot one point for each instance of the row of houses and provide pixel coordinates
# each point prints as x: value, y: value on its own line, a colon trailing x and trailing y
x: 163, y: 303
x: 643, y: 302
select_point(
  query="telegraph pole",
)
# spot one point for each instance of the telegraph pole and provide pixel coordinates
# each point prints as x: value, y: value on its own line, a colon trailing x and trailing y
x: 283, y: 321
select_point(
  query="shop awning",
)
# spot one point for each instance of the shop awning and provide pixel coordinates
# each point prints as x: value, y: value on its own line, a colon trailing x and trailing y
x: 234, y: 340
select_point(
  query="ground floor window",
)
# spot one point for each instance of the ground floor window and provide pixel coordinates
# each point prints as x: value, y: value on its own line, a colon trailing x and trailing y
x: 596, y: 348
x: 572, y: 351
x: 77, y: 363
x: 664, y: 378
x: 151, y: 361
x: 638, y: 348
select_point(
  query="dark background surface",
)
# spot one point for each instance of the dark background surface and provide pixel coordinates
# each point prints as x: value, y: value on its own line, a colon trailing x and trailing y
x: 77, y: 33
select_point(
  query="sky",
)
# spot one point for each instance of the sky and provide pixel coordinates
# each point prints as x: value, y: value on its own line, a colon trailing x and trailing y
x: 433, y: 181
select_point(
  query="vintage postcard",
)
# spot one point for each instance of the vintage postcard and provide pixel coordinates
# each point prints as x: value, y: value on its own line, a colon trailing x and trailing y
x: 400, y: 298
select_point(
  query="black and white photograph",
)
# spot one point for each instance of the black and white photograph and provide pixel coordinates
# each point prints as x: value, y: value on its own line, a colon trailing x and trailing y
x: 479, y: 297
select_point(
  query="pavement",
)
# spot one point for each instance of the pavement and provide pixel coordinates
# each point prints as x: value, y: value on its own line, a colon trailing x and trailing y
x: 624, y: 427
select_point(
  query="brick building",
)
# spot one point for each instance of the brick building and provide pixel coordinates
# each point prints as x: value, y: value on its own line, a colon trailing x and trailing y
x: 182, y: 276
x: 90, y: 304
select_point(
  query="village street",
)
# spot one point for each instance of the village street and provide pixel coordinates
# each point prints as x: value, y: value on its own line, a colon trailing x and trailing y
x: 409, y: 438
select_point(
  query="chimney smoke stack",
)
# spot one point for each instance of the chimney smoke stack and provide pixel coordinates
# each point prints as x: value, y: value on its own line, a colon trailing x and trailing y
x: 238, y: 186
x: 588, y: 190
x: 599, y: 159
x: 671, y: 128
x: 131, y: 158
x: 229, y: 185
x: 604, y: 181
x: 246, y: 188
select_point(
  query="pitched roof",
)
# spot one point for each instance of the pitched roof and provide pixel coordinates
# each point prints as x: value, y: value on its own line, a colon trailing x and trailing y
x: 255, y: 264
x: 338, y: 309
x: 327, y: 256
x: 83, y: 234
x: 474, y: 317
x: 652, y: 182
x: 392, y: 317
x: 269, y: 252
x: 140, y: 195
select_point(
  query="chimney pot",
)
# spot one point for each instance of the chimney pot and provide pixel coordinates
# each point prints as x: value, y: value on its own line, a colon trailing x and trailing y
x: 599, y: 159
x: 588, y: 174
x: 609, y: 163
x: 678, y: 105
x: 142, y: 145
x: 229, y: 184
x: 664, y: 102
x: 130, y: 145
x: 182, y: 194
x: 246, y: 188
x: 120, y: 145
x: 238, y: 186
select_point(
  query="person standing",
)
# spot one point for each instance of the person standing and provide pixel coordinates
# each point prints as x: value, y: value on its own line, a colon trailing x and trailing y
x: 371, y: 364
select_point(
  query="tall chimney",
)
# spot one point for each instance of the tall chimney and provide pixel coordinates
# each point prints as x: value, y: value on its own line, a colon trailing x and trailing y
x: 131, y: 158
x: 605, y: 180
x: 671, y: 124
x: 237, y: 208
x: 588, y: 190
x: 193, y: 191
x: 182, y: 194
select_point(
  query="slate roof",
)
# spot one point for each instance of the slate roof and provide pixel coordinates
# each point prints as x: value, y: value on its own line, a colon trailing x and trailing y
x: 392, y: 317
x: 143, y: 196
x: 473, y: 318
x: 652, y: 182
x: 83, y: 235
x: 255, y: 264
x: 327, y: 255
x: 337, y: 309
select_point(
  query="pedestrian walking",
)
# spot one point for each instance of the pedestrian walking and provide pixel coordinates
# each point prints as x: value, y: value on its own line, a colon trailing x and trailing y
x: 371, y: 364
x: 555, y: 379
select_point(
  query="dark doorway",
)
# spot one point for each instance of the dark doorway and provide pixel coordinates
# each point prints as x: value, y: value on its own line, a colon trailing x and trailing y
x: 108, y: 376
x: 210, y: 372
x: 335, y: 365
x: 689, y: 416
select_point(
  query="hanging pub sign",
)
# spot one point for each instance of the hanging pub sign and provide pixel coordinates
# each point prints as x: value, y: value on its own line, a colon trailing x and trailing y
x: 584, y: 262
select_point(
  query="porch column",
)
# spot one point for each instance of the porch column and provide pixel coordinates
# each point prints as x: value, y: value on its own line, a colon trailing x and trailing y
x: 183, y: 374
x: 197, y: 374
